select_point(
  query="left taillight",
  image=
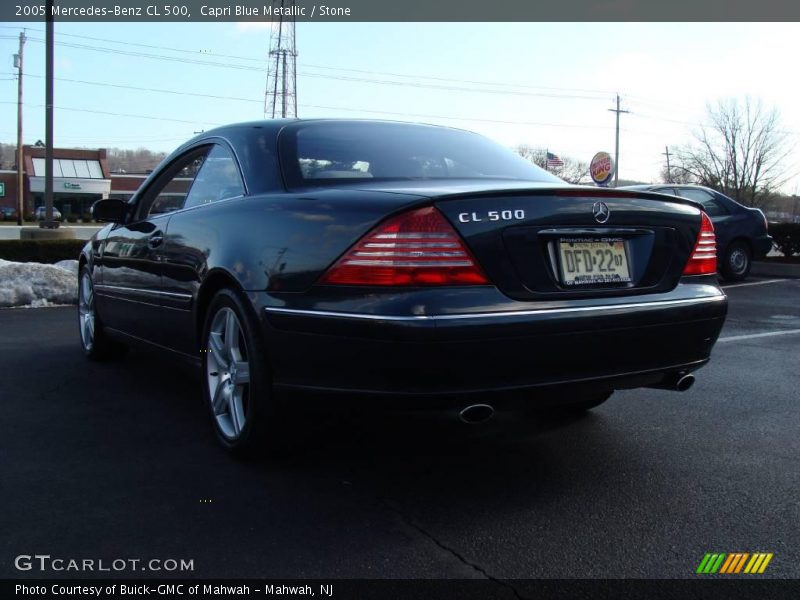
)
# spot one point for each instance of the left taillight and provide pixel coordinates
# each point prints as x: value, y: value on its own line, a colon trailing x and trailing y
x: 415, y: 248
x: 703, y: 260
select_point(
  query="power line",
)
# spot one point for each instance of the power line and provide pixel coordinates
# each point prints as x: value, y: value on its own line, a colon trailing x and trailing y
x: 374, y: 111
x: 207, y: 63
x: 635, y: 98
x: 340, y: 78
x: 335, y: 108
x: 452, y: 118
x: 147, y: 89
x: 324, y: 107
x: 114, y: 114
x: 328, y: 67
x: 125, y: 140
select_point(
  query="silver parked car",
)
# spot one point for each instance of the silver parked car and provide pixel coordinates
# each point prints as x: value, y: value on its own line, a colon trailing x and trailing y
x: 41, y: 214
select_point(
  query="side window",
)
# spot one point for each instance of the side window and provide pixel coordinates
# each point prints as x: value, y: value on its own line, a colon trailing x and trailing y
x: 169, y: 192
x: 710, y: 204
x: 217, y: 179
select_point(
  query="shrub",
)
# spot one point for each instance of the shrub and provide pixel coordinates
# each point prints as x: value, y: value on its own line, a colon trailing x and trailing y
x: 43, y: 251
x: 72, y: 218
x: 87, y: 217
x: 787, y: 237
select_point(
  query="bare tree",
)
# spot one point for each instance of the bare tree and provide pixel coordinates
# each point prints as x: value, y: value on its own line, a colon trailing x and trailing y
x: 572, y: 171
x: 741, y: 152
x: 8, y: 156
x: 675, y: 174
x: 537, y: 156
x: 140, y: 160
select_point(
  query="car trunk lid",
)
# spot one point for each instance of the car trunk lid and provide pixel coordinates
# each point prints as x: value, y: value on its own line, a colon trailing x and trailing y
x: 575, y: 242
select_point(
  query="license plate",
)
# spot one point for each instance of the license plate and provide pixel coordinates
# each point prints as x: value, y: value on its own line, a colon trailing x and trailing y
x: 592, y: 262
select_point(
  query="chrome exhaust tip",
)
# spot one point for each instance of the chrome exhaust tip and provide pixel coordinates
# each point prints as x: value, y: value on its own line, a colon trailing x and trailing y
x: 684, y: 382
x: 476, y: 413
x: 677, y: 382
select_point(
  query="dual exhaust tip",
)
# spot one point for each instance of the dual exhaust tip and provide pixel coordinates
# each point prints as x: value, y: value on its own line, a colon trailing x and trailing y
x: 480, y: 413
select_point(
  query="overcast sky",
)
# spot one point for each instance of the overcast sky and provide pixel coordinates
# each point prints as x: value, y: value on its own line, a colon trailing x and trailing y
x: 548, y: 85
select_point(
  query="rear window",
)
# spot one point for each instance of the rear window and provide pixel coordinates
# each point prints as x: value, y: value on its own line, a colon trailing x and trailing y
x: 710, y: 204
x: 330, y: 153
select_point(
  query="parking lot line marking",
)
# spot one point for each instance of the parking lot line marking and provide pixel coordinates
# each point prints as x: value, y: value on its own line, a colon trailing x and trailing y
x: 748, y: 336
x: 727, y: 287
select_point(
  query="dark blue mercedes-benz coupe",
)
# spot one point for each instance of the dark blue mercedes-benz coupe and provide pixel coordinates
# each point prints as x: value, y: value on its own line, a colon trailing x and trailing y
x: 742, y: 232
x: 393, y: 261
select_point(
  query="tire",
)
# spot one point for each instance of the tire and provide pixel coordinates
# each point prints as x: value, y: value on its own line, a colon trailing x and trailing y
x: 737, y: 261
x: 237, y: 387
x: 95, y: 343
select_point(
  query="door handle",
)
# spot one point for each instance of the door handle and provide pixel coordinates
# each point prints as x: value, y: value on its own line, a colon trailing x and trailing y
x: 155, y: 239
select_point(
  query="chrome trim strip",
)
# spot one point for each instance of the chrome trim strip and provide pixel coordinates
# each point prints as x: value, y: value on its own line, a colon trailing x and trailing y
x: 117, y: 288
x: 520, y: 313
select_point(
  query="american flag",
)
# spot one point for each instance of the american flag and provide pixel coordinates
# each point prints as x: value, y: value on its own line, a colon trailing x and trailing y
x: 553, y: 160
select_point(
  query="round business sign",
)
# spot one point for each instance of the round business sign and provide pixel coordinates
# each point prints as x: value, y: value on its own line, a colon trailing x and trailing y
x: 601, y: 168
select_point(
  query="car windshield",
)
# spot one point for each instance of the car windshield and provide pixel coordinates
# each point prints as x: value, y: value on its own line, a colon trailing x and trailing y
x: 342, y: 152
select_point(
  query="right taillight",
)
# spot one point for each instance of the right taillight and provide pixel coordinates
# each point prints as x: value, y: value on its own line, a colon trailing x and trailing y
x: 703, y: 260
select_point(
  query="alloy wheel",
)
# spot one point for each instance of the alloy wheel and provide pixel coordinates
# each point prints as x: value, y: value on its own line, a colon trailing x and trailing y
x: 86, y: 311
x: 228, y: 373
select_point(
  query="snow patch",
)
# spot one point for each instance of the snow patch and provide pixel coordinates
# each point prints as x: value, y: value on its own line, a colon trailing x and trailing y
x: 37, y: 285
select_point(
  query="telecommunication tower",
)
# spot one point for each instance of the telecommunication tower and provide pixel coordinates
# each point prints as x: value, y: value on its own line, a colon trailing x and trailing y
x: 280, y: 99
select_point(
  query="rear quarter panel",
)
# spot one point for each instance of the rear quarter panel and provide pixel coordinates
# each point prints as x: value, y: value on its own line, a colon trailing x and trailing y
x: 278, y: 243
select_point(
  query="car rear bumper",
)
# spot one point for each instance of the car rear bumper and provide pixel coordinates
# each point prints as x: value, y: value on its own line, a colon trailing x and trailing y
x: 762, y: 245
x: 628, y: 343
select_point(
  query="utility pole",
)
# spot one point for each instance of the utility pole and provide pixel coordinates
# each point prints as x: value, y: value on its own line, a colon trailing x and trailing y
x: 49, y: 222
x: 669, y: 170
x: 617, y: 110
x: 20, y: 181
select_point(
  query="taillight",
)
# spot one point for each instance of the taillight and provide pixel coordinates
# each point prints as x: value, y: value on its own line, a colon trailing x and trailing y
x: 704, y: 256
x: 766, y: 222
x: 415, y: 248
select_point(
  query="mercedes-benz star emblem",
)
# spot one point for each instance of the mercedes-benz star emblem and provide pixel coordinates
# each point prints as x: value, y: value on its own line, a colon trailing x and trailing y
x: 600, y: 212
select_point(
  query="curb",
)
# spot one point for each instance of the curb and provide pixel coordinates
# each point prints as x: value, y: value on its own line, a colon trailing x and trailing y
x: 770, y: 269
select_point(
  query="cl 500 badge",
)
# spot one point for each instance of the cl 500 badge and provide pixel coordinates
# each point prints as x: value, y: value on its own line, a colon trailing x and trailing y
x: 492, y: 215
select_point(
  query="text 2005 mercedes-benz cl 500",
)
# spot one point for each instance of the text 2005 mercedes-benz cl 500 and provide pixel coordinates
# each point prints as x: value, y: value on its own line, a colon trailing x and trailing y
x: 396, y: 261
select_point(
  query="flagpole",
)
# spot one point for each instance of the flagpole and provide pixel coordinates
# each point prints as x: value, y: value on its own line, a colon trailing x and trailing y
x: 546, y: 153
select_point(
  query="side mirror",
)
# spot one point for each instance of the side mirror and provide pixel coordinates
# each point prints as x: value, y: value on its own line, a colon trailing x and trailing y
x: 110, y: 210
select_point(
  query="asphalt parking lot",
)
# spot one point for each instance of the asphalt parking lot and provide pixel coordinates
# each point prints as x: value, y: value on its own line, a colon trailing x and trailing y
x: 118, y: 460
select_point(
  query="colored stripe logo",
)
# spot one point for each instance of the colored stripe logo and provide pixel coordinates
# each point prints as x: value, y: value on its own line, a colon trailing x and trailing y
x: 734, y: 563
